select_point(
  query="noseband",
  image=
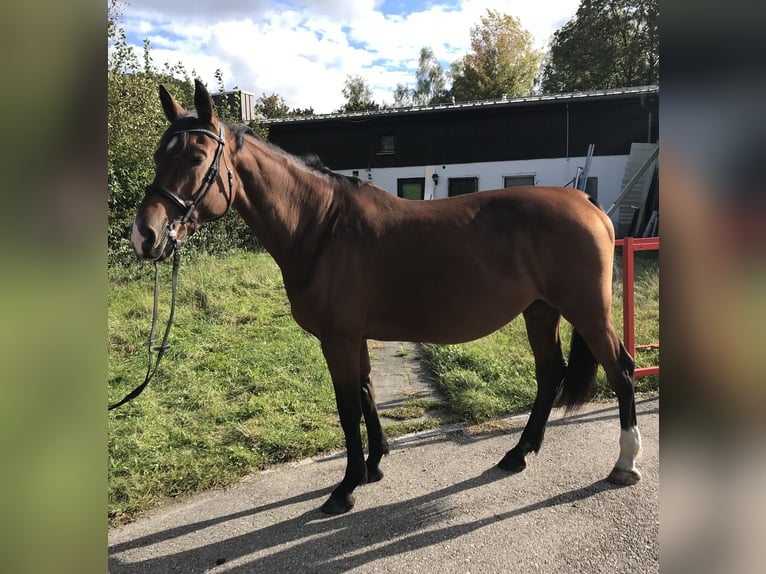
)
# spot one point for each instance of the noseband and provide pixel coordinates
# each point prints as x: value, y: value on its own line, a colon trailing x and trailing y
x: 188, y: 210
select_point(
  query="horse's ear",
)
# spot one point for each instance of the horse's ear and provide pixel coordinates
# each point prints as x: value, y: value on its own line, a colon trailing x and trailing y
x: 203, y: 103
x: 173, y: 110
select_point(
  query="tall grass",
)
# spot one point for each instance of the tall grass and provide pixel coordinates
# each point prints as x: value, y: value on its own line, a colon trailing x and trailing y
x: 243, y: 387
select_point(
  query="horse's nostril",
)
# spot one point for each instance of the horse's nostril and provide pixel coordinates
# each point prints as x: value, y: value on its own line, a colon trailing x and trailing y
x: 148, y: 250
x: 150, y: 238
x: 146, y: 242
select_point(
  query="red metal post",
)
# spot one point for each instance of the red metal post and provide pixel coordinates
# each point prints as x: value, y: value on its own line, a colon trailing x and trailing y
x: 628, y: 296
x: 629, y: 246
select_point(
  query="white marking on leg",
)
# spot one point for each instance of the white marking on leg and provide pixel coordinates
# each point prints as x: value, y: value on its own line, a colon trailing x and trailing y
x: 630, y: 449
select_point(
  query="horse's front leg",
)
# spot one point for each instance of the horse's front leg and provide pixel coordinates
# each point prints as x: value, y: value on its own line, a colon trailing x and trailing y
x: 342, y: 356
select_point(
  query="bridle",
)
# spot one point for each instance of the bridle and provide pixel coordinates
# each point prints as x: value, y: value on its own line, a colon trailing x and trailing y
x: 212, y: 172
x: 188, y: 210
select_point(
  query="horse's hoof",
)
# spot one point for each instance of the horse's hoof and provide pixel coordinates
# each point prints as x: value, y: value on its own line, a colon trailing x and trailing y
x: 623, y: 477
x: 338, y: 504
x: 374, y: 475
x: 512, y: 462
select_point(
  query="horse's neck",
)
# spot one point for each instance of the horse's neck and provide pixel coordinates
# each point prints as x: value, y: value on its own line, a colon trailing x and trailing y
x: 284, y: 202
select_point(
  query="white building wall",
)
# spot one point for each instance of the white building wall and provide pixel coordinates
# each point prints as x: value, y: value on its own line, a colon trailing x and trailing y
x: 556, y: 172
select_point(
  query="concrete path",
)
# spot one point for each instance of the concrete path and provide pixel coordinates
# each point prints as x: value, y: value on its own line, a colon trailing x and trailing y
x: 399, y: 374
x: 442, y: 508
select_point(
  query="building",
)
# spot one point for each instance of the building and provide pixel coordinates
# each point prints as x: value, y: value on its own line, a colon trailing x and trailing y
x: 438, y: 151
x: 241, y: 104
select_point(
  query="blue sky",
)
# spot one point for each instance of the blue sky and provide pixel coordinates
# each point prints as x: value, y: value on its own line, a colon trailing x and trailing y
x: 304, y: 49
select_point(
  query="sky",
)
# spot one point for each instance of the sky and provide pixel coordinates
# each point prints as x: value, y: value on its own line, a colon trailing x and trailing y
x: 303, y: 50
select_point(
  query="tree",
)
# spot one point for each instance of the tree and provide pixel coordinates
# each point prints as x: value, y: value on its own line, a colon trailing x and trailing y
x: 403, y: 96
x: 430, y: 82
x: 608, y: 44
x: 273, y: 106
x: 298, y: 112
x: 358, y: 96
x: 229, y: 101
x: 503, y: 61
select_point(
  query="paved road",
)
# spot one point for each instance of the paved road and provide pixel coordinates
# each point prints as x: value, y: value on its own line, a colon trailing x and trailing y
x: 442, y: 507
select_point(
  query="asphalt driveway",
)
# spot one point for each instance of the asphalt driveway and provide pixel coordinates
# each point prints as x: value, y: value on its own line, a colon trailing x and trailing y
x: 442, y: 507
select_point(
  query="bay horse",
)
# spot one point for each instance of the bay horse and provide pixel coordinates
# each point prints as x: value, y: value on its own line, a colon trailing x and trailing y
x: 359, y: 263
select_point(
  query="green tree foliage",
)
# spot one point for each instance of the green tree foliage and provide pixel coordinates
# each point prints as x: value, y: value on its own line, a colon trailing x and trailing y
x: 608, y: 44
x: 403, y: 96
x: 296, y: 112
x: 430, y: 84
x: 358, y: 96
x: 226, y: 106
x: 273, y: 106
x: 503, y: 61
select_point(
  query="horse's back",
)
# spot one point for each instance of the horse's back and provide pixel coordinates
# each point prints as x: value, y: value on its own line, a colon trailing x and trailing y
x: 510, y: 231
x: 541, y: 203
x: 506, y: 217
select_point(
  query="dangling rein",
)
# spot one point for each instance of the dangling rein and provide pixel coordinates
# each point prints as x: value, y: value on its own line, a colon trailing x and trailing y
x: 189, y: 209
x: 150, y: 370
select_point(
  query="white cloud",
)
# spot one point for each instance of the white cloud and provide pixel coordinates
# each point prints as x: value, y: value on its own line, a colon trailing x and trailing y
x: 304, y: 49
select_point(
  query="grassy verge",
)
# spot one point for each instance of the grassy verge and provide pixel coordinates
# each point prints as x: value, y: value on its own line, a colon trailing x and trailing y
x: 495, y: 375
x: 243, y: 387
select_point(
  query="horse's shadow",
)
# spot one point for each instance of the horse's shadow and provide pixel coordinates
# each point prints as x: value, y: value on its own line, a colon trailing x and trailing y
x: 313, y: 542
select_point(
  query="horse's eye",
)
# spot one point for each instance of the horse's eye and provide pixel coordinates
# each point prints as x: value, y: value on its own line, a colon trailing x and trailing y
x: 197, y: 160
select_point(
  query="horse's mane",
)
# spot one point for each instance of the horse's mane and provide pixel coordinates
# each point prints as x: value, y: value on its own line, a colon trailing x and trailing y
x: 310, y: 160
x: 239, y: 131
x: 313, y: 161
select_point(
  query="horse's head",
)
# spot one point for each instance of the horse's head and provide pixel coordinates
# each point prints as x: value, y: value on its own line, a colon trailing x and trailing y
x: 188, y: 188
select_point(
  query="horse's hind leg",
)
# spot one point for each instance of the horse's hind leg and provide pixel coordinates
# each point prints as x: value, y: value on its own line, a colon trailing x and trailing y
x: 542, y: 323
x: 378, y: 445
x: 606, y: 346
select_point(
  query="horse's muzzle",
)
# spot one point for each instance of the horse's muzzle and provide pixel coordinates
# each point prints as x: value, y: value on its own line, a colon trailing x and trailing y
x: 150, y: 245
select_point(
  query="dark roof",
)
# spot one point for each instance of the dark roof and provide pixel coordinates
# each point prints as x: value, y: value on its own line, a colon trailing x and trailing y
x: 497, y: 103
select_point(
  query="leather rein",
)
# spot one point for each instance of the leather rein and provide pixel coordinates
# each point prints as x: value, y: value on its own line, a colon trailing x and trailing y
x: 188, y: 210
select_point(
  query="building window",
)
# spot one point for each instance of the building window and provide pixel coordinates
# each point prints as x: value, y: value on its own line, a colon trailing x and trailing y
x: 411, y: 187
x: 461, y: 185
x: 518, y: 180
x: 386, y: 144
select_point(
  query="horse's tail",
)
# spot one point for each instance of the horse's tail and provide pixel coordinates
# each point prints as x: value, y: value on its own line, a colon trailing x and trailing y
x: 580, y: 374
